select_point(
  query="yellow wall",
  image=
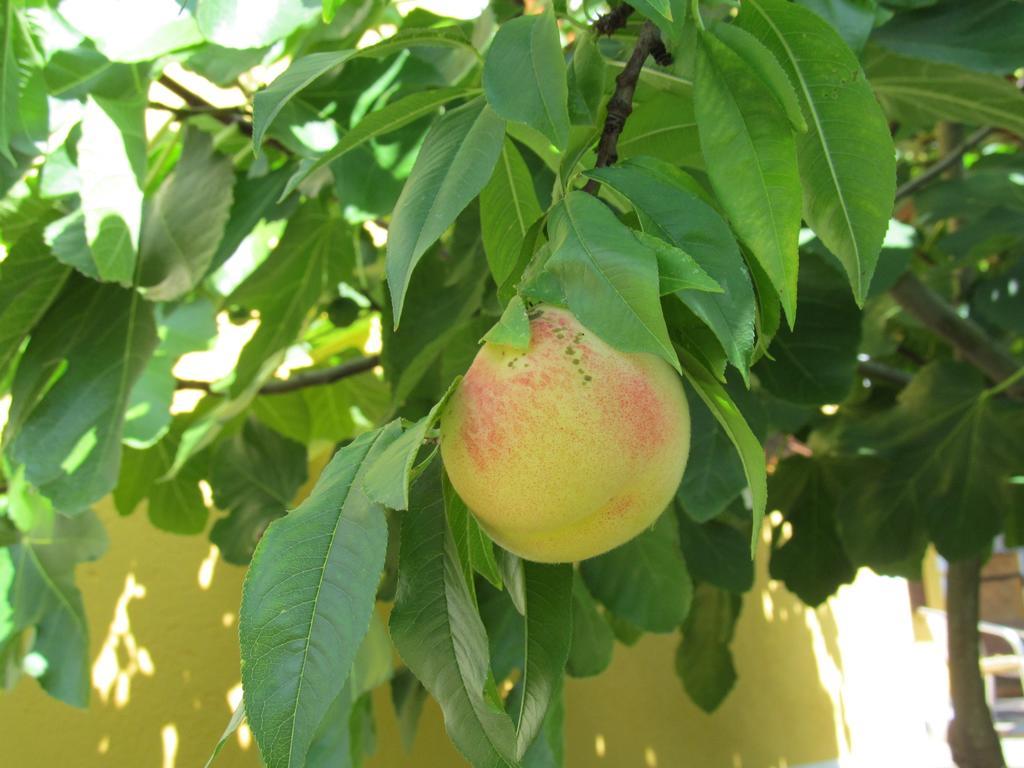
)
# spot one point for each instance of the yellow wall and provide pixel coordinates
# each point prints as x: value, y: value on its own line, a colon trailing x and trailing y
x: 815, y: 686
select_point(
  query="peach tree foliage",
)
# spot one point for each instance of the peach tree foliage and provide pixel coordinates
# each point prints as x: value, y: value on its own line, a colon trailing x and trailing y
x: 745, y: 190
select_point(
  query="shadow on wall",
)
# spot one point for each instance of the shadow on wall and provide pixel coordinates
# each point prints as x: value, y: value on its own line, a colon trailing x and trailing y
x: 163, y: 612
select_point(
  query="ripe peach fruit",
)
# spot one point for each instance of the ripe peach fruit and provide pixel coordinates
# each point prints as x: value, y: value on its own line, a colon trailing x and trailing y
x: 569, y: 449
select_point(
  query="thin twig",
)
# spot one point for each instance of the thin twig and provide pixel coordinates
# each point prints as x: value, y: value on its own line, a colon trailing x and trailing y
x: 621, y: 103
x: 869, y: 369
x: 315, y: 378
x: 945, y: 163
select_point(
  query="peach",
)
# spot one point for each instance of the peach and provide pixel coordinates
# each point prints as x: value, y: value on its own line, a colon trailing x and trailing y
x: 568, y: 449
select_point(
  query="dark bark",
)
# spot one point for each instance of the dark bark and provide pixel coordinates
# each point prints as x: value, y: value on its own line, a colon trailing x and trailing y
x: 301, y: 380
x: 972, y: 736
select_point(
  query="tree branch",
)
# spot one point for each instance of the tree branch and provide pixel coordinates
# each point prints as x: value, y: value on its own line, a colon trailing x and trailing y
x: 945, y: 163
x: 963, y: 334
x: 869, y: 369
x: 621, y: 103
x: 315, y: 378
x: 609, y: 23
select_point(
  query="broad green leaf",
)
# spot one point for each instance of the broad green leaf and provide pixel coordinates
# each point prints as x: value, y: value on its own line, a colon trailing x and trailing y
x: 663, y: 126
x: 852, y: 19
x: 986, y: 35
x: 716, y: 553
x: 610, y: 280
x: 68, y: 242
x: 233, y: 24
x: 767, y: 68
x: 815, y: 363
x: 508, y: 208
x: 714, y: 473
x: 252, y: 199
x: 668, y: 209
x: 71, y: 389
x: 812, y: 562
x: 475, y: 548
x: 438, y: 633
x: 79, y: 71
x: 512, y: 328
x: 389, y: 118
x: 592, y: 640
x: 183, y: 223
x: 954, y: 447
x: 525, y: 76
x: 237, y: 718
x: 514, y: 579
x: 920, y: 92
x: 306, y: 606
x: 11, y: 76
x: 30, y: 279
x: 408, y: 695
x: 142, y: 31
x: 454, y: 164
x: 254, y: 476
x: 111, y: 161
x: 729, y: 417
x: 846, y: 157
x: 548, y: 749
x: 677, y: 270
x: 751, y: 158
x: 548, y: 637
x: 37, y: 575
x: 704, y: 660
x: 313, y: 255
x: 586, y: 78
x: 332, y: 745
x: 269, y: 102
x: 645, y: 580
x: 173, y: 504
x: 390, y: 472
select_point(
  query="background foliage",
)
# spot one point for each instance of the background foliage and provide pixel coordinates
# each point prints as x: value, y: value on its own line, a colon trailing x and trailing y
x: 326, y: 180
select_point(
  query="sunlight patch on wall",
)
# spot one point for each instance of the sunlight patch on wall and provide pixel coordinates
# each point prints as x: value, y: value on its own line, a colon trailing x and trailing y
x: 650, y: 757
x: 109, y: 676
x: 169, y: 737
x: 599, y: 746
x: 104, y: 746
x: 206, y: 568
x: 830, y: 677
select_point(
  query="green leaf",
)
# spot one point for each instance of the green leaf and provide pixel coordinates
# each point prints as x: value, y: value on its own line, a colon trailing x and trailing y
x: 237, y: 718
x: 645, y: 580
x: 71, y: 389
x: 438, y: 633
x: 383, y: 121
x: 852, y: 19
x: 306, y: 606
x: 920, y: 92
x: 233, y: 24
x: 716, y: 553
x: 40, y: 589
x: 751, y: 159
x: 586, y: 78
x: 174, y: 504
x: 508, y: 208
x: 182, y: 224
x: 677, y: 270
x: 76, y: 72
x: 704, y: 660
x: 762, y: 63
x: 454, y: 164
x: 847, y: 162
x: 513, y: 327
x: 812, y: 562
x: 390, y: 470
x: 662, y: 126
x: 670, y: 210
x: 525, y: 76
x: 10, y: 78
x: 475, y: 548
x: 408, y: 695
x: 954, y: 446
x: 142, y: 32
x: 548, y: 749
x: 111, y: 162
x: 332, y: 743
x: 728, y: 415
x: 592, y: 640
x: 252, y: 200
x: 268, y: 103
x: 314, y: 253
x: 31, y: 280
x: 714, y: 473
x: 255, y: 474
x: 816, y: 362
x: 548, y: 637
x: 609, y: 279
x: 986, y: 35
